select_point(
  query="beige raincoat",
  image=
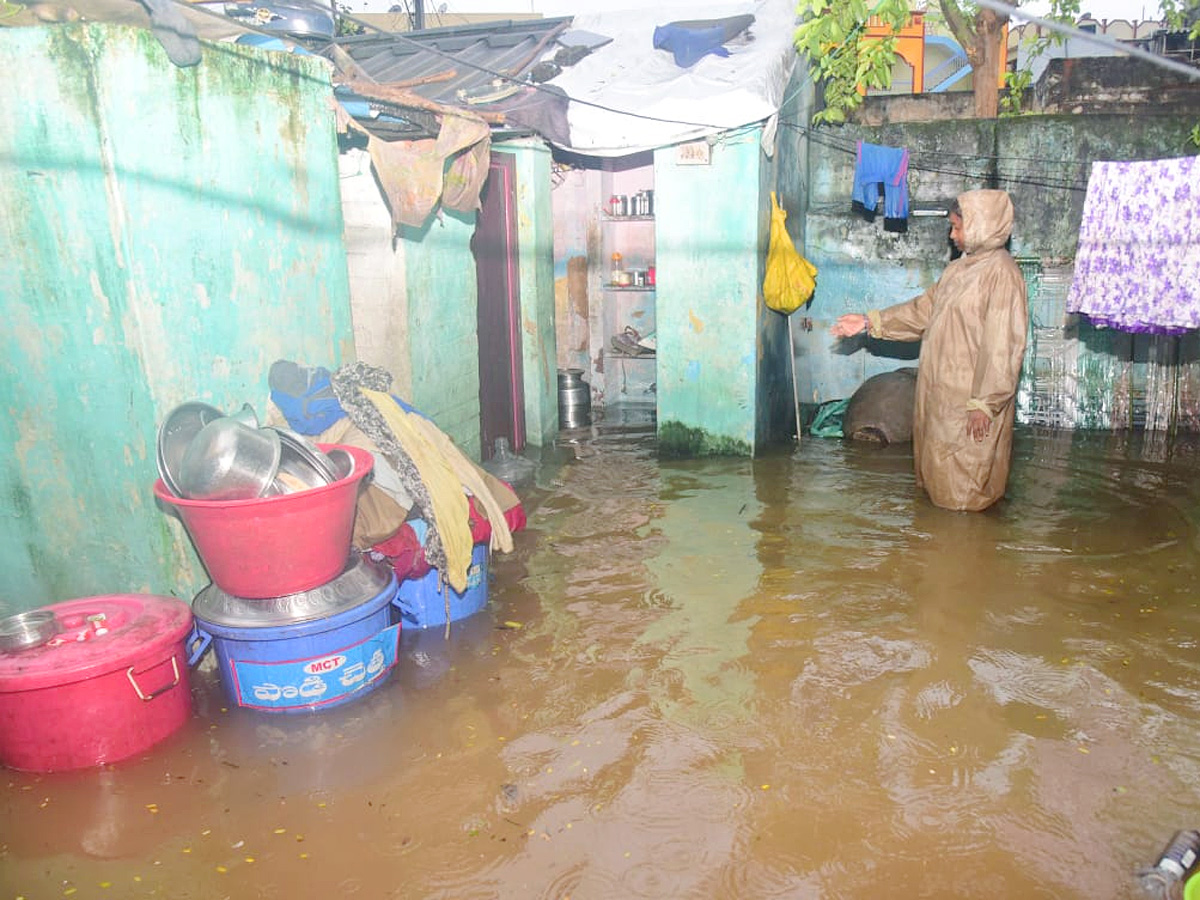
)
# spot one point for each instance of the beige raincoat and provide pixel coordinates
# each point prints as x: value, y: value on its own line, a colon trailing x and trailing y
x: 972, y: 323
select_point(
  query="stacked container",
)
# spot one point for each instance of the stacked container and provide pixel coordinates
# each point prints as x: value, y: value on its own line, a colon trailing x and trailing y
x: 297, y: 621
x: 299, y: 652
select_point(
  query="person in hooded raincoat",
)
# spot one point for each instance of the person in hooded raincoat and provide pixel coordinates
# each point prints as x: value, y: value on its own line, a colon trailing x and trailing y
x: 972, y: 323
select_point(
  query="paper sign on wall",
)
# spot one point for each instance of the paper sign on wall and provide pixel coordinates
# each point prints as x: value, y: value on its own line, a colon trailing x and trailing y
x: 697, y: 153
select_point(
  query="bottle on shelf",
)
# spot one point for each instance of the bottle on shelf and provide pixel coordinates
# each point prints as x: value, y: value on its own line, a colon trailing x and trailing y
x: 617, y: 271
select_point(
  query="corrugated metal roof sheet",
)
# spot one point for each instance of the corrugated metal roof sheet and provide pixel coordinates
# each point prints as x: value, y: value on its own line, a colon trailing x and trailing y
x: 465, y: 60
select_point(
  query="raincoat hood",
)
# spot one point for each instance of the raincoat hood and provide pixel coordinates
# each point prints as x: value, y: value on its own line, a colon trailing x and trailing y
x: 987, y: 219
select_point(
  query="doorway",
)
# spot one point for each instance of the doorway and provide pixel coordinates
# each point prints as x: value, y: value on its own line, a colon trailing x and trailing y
x: 501, y: 395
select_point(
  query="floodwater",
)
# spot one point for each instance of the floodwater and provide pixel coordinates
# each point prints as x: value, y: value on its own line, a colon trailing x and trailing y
x: 783, y: 678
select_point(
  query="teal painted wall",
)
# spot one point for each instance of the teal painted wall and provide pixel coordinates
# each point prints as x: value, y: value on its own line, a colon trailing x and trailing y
x: 535, y: 272
x: 167, y: 234
x: 709, y: 247
x: 442, y: 304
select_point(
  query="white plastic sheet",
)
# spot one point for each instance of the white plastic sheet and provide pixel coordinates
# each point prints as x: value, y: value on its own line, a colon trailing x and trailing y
x: 630, y: 97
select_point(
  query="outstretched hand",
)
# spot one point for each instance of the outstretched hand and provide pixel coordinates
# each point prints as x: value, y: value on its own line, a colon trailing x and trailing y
x: 978, y: 424
x: 850, y: 325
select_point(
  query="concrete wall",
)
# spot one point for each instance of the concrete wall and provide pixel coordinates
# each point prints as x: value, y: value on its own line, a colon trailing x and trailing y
x: 442, y: 308
x: 535, y: 272
x: 166, y: 235
x: 788, y: 176
x: 710, y: 247
x: 573, y: 198
x: 1074, y: 374
x: 378, y: 289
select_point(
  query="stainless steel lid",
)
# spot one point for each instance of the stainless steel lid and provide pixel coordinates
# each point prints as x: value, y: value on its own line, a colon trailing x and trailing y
x: 362, y: 580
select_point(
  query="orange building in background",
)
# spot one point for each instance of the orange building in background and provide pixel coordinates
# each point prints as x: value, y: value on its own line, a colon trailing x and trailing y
x: 910, y: 43
x: 912, y: 46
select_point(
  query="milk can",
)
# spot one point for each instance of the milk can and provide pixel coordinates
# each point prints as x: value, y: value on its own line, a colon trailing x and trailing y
x: 574, y: 399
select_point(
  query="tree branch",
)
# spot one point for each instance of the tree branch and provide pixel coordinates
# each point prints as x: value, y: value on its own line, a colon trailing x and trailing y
x: 960, y: 25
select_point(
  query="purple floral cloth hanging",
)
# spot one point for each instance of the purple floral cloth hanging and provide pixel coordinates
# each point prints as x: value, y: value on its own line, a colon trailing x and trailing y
x: 1137, y: 266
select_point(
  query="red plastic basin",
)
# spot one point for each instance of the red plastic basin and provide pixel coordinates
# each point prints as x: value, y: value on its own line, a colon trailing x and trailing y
x: 112, y: 683
x: 272, y: 546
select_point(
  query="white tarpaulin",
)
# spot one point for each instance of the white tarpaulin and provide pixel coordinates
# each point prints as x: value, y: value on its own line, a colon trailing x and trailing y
x: 649, y: 101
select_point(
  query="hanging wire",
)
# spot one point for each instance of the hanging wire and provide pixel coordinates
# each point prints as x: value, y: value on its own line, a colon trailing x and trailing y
x: 1012, y: 177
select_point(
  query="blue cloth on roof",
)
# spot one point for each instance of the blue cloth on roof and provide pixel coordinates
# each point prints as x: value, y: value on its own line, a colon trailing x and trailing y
x: 887, y: 168
x: 690, y: 45
x: 693, y: 39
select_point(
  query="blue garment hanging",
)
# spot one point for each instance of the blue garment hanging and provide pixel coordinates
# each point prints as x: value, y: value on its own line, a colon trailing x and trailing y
x: 882, y: 168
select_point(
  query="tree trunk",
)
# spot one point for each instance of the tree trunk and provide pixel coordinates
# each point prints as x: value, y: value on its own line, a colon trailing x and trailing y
x: 989, y: 31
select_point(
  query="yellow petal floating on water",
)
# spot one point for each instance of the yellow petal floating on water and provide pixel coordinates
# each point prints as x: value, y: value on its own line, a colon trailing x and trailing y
x: 1083, y: 749
x: 249, y: 859
x: 765, y: 787
x: 106, y: 884
x: 222, y: 869
x: 281, y: 831
x: 516, y: 626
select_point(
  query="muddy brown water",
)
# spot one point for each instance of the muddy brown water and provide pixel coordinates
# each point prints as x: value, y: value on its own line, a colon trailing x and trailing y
x: 782, y: 678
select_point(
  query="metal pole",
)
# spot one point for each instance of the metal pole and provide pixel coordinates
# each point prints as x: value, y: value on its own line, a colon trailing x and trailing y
x: 418, y: 15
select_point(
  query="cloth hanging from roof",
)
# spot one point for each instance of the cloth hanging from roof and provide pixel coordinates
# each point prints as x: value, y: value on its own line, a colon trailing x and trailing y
x: 879, y: 167
x: 414, y: 174
x: 1137, y: 264
x: 542, y: 110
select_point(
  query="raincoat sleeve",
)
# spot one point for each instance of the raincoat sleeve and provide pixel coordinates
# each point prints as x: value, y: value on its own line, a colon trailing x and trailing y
x: 904, y: 321
x: 1001, y: 344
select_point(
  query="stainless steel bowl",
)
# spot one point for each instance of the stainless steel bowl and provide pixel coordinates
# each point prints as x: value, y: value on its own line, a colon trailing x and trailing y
x: 27, y: 629
x: 177, y: 431
x: 175, y: 435
x: 230, y: 460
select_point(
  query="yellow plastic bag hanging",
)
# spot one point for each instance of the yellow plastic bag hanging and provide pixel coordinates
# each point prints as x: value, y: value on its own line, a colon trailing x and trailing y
x: 790, y: 279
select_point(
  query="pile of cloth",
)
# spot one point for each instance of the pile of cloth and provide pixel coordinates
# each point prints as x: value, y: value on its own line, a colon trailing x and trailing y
x: 428, y: 503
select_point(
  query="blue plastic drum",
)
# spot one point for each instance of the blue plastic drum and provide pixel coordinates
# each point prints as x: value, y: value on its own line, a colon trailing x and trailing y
x: 319, y: 663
